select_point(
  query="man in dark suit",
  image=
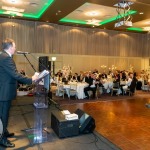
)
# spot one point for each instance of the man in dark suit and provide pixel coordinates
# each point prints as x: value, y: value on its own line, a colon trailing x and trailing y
x: 92, y: 85
x: 8, y: 86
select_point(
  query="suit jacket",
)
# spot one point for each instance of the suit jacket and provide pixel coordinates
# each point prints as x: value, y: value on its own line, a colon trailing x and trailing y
x: 89, y: 80
x: 9, y: 77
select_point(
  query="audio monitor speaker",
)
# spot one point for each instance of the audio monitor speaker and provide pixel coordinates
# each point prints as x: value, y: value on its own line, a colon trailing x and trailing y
x: 62, y: 127
x: 43, y: 63
x: 86, y: 122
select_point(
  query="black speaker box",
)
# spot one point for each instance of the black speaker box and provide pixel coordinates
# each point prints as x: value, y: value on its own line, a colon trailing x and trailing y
x: 87, y: 123
x: 43, y: 63
x: 62, y: 127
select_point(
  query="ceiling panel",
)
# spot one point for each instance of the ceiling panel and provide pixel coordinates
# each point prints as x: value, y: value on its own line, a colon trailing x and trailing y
x: 24, y: 8
x: 54, y: 11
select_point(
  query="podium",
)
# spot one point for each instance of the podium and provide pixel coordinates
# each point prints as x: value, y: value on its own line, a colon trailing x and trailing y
x: 41, y: 90
x: 39, y: 134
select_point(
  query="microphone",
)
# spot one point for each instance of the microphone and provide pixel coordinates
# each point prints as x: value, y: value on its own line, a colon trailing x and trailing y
x: 20, y: 52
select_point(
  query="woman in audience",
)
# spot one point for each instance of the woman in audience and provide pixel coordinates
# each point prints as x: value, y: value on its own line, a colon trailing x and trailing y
x: 128, y: 82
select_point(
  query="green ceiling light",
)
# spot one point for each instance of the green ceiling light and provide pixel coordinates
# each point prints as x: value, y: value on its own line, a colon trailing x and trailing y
x: 73, y: 21
x: 131, y: 12
x: 31, y: 15
x: 1, y: 11
x: 135, y: 29
x: 38, y: 15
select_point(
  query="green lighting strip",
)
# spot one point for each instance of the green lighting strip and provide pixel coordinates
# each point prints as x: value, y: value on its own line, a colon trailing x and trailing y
x: 131, y: 12
x: 135, y: 29
x: 36, y: 16
x: 73, y: 21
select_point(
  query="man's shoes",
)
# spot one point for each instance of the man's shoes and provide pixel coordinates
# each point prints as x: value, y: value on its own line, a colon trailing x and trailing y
x: 7, y: 143
x: 7, y: 134
x: 10, y: 135
x: 87, y: 97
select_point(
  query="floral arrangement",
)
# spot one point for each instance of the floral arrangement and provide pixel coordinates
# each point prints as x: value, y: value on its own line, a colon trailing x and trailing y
x: 66, y: 71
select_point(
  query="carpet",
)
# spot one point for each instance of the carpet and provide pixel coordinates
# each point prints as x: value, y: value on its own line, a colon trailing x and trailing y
x: 103, y: 97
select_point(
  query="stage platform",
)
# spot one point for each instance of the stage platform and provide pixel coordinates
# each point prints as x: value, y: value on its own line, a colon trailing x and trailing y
x: 22, y: 120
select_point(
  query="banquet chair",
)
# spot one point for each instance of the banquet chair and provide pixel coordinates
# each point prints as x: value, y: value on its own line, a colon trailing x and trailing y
x: 116, y: 87
x: 98, y: 91
x: 73, y: 90
x: 61, y: 89
x: 145, y: 87
x: 128, y: 90
x: 131, y: 90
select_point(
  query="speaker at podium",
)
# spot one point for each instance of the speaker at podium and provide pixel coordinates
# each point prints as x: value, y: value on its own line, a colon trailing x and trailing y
x: 86, y: 122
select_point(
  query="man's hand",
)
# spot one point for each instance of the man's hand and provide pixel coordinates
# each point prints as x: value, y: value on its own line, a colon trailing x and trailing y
x: 35, y: 76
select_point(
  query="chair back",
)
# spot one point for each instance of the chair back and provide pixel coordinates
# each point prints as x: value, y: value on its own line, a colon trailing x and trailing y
x: 60, y: 86
x: 133, y: 86
x: 116, y: 85
x: 73, y: 89
x: 73, y: 86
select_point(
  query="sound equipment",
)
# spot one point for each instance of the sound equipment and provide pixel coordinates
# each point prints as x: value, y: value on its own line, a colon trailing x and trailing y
x: 87, y: 123
x: 1, y: 128
x: 62, y: 127
x: 43, y: 63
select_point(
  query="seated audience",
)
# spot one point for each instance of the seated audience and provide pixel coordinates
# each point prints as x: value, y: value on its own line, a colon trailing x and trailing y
x: 81, y: 76
x: 91, y: 80
x: 128, y: 82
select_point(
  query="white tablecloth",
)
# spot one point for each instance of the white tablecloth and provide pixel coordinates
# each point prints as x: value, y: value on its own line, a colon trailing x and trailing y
x: 108, y: 85
x: 80, y: 89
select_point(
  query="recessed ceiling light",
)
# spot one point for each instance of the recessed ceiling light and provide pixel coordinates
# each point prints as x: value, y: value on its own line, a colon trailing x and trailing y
x: 13, y: 14
x: 148, y: 22
x: 13, y: 2
x: 33, y: 4
x: 141, y: 13
x: 12, y: 9
x: 93, y: 22
x: 79, y: 11
x: 146, y: 28
x: 92, y: 13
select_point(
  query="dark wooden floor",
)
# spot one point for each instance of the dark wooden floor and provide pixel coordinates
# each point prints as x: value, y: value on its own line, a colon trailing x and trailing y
x: 124, y: 122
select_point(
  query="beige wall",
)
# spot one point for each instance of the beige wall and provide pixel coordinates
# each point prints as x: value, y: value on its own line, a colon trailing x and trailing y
x: 84, y: 62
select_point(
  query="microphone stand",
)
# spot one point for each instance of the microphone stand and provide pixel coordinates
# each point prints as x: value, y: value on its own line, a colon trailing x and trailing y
x: 29, y: 62
x: 40, y: 119
x: 50, y: 100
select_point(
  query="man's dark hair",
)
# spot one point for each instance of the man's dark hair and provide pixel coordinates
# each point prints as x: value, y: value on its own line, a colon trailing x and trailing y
x: 7, y: 43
